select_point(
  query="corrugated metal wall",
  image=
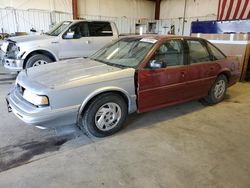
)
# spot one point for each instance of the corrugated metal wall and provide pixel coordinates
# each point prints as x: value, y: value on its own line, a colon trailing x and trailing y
x: 128, y: 25
x: 13, y: 20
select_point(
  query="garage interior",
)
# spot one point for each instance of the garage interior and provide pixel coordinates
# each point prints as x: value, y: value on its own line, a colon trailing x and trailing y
x: 185, y: 145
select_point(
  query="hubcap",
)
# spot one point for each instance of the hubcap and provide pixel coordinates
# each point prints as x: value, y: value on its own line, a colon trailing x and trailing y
x: 219, y: 89
x: 39, y: 62
x: 108, y: 116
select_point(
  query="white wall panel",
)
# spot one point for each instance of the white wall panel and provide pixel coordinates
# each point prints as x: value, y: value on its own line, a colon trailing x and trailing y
x: 172, y: 11
x: 51, y: 5
x: 195, y: 8
x: 7, y: 20
x: 117, y: 8
x: 125, y: 13
x: 202, y: 8
x: 13, y: 20
x: 61, y: 16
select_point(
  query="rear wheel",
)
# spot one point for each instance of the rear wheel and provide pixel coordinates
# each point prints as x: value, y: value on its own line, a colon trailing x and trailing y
x: 37, y: 60
x: 105, y: 115
x: 217, y: 92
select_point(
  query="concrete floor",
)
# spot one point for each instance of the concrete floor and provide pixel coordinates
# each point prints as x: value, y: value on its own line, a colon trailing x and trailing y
x: 187, y: 145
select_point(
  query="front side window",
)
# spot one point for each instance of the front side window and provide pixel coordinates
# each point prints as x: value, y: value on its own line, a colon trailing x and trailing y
x: 78, y: 30
x: 197, y: 52
x: 97, y: 29
x: 126, y: 52
x: 216, y: 54
x: 170, y: 53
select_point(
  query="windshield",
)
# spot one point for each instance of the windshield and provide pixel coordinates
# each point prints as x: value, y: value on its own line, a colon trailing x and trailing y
x: 127, y: 52
x: 58, y: 28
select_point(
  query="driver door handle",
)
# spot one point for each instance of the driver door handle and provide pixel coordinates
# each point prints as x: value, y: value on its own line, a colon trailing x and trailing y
x: 87, y: 41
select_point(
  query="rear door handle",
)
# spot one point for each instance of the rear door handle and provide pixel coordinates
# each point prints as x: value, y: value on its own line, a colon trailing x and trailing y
x: 87, y: 41
x: 182, y: 74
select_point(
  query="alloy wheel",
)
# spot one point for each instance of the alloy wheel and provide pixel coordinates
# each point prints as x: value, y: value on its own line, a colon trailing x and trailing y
x: 108, y: 116
x: 219, y: 89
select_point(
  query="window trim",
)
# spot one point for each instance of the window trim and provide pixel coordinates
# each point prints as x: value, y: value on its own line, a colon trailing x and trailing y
x: 72, y: 26
x: 203, y: 43
x: 112, y: 33
x: 174, y: 66
x: 210, y: 51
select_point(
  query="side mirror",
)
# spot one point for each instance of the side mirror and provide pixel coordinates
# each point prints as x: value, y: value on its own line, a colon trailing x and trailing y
x: 69, y: 35
x: 156, y: 64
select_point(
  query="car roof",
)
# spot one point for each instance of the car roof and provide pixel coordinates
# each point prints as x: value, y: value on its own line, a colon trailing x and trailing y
x: 155, y: 36
x: 159, y: 37
x: 85, y: 20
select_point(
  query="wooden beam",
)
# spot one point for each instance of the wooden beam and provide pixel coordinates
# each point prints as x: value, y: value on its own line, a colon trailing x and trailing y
x: 75, y: 9
x: 157, y: 9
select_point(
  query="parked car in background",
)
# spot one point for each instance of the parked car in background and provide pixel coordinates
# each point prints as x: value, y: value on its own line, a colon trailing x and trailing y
x: 140, y: 74
x: 68, y: 39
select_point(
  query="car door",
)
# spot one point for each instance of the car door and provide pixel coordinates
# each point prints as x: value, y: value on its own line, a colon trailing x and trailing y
x: 202, y: 70
x: 100, y: 34
x: 75, y: 42
x: 88, y: 37
x: 159, y: 87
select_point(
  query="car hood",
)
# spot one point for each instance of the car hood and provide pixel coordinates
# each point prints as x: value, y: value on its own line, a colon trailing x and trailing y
x: 70, y: 73
x: 28, y: 38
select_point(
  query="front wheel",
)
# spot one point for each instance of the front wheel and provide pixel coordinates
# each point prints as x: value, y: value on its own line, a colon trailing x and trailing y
x: 105, y: 115
x: 37, y: 60
x: 218, y: 90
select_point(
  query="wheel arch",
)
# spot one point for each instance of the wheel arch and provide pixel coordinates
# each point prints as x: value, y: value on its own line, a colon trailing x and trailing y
x: 226, y: 73
x: 115, y: 90
x: 48, y: 53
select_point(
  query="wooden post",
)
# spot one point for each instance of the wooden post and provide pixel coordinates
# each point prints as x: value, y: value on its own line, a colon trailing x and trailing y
x: 74, y: 9
x: 157, y: 9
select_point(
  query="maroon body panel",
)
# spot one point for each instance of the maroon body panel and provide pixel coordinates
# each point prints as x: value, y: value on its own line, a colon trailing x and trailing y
x: 160, y: 87
x: 157, y: 88
x: 201, y: 76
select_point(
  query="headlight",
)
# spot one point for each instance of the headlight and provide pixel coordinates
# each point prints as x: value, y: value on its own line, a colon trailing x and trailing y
x: 38, y: 100
x: 14, y: 50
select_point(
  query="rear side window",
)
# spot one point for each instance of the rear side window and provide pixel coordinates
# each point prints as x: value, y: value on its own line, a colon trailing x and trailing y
x: 216, y: 54
x: 98, y: 29
x: 198, y: 53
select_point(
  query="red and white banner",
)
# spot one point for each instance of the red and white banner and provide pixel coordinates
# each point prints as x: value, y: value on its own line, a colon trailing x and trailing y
x: 233, y: 9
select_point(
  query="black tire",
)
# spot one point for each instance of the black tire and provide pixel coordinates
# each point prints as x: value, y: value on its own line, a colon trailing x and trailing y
x: 214, y: 97
x: 90, y: 116
x: 35, y: 59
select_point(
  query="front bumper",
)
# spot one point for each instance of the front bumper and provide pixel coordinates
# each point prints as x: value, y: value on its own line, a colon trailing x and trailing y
x: 43, y: 116
x: 13, y: 64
